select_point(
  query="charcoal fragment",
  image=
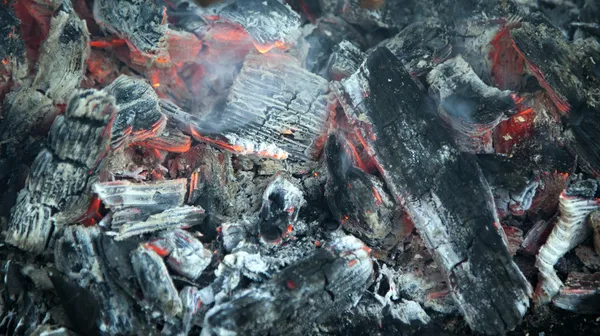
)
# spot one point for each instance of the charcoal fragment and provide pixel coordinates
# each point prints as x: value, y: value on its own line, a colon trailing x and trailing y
x: 172, y: 218
x: 344, y: 60
x: 280, y: 208
x: 470, y: 106
x: 595, y: 224
x: 576, y: 203
x: 153, y: 197
x: 425, y: 171
x: 580, y: 294
x: 330, y: 281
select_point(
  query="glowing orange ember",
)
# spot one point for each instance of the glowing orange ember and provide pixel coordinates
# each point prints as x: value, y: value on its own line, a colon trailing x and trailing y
x: 107, y: 43
x: 290, y: 284
x: 159, y: 250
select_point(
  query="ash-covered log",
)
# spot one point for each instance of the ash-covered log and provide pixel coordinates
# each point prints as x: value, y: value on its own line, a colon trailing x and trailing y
x: 576, y: 203
x: 358, y: 200
x: 329, y: 282
x: 58, y: 185
x: 270, y: 23
x: 580, y: 294
x: 470, y: 106
x: 426, y: 173
x: 344, y: 60
x: 281, y: 205
x: 275, y: 109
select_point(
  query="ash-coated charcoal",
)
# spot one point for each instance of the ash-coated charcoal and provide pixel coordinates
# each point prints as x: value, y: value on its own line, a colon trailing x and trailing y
x: 329, y: 282
x: 12, y: 49
x: 357, y: 200
x: 550, y: 60
x: 62, y: 62
x: 56, y: 190
x: 576, y: 203
x: 470, y: 106
x: 156, y: 284
x: 344, y: 60
x: 172, y: 218
x: 268, y: 22
x: 580, y: 294
x: 140, y: 115
x: 184, y: 253
x: 512, y: 181
x: 420, y: 46
x: 141, y: 22
x: 152, y: 197
x: 273, y: 103
x: 426, y: 172
x: 171, y: 140
x: 594, y: 222
x: 76, y: 256
x: 281, y: 205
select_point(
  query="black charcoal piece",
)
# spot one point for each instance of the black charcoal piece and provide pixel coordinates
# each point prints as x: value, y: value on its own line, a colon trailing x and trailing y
x: 471, y: 107
x: 275, y: 109
x: 344, y: 60
x: 153, y: 277
x: 269, y: 22
x: 358, y: 200
x: 12, y: 46
x: 585, y: 126
x: 580, y: 294
x: 281, y: 205
x: 327, y: 283
x: 551, y: 60
x: 426, y: 172
x: 62, y: 62
x: 141, y: 22
x: 420, y: 46
x: 576, y: 203
x: 56, y: 191
x: 140, y: 115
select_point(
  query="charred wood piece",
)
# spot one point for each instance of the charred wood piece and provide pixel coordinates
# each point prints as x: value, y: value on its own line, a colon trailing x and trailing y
x: 171, y: 140
x: 466, y: 103
x: 270, y: 23
x: 155, y: 282
x: 155, y: 197
x: 274, y: 109
x: 56, y: 191
x: 595, y: 224
x: 183, y: 252
x: 358, y: 200
x: 140, y: 115
x: 141, y: 22
x: 172, y: 218
x: 536, y: 237
x: 580, y: 294
x: 329, y: 282
x: 76, y: 256
x: 62, y: 61
x: 420, y: 46
x: 425, y: 171
x: 344, y: 60
x: 281, y: 205
x: 13, y: 65
x: 576, y: 203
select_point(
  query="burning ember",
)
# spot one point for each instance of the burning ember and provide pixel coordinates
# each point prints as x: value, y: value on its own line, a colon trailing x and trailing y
x: 299, y: 167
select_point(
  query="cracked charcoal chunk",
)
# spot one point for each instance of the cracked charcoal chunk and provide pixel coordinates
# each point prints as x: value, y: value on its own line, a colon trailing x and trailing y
x: 76, y: 256
x: 281, y: 205
x: 153, y: 197
x: 420, y: 46
x: 357, y: 199
x: 344, y: 60
x: 141, y: 22
x: 140, y: 115
x: 329, y: 282
x: 576, y: 203
x: 153, y: 277
x: 551, y: 61
x: 12, y: 46
x: 471, y: 107
x: 62, y: 62
x: 580, y: 294
x: 425, y: 171
x: 585, y: 126
x: 274, y: 106
x: 269, y: 22
x: 55, y: 193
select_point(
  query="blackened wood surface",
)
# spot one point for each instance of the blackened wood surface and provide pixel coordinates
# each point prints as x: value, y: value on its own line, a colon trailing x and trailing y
x: 442, y: 189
